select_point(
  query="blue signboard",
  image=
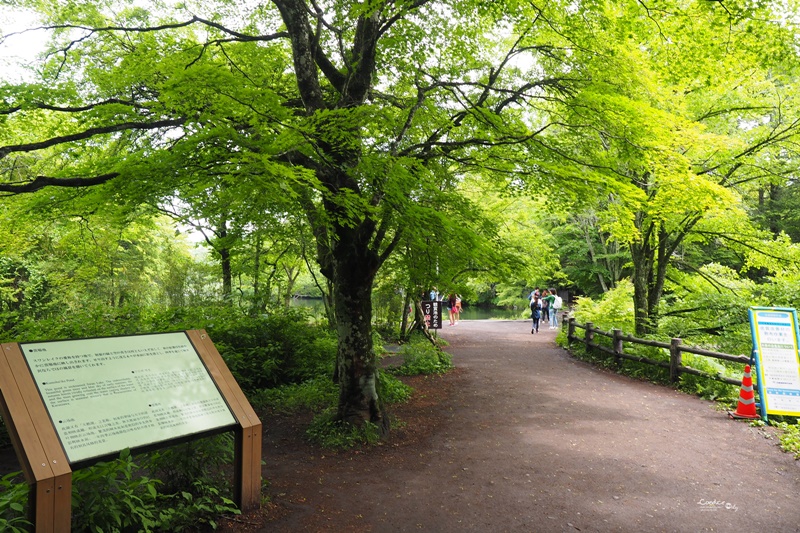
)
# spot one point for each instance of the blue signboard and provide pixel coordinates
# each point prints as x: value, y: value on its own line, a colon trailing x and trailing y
x: 775, y: 334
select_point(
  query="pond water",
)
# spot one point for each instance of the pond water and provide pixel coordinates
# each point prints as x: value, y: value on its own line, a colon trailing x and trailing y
x: 468, y: 313
x: 482, y: 313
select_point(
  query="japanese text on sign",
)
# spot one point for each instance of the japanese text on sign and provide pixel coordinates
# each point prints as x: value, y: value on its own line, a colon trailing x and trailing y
x: 105, y: 395
x: 432, y: 313
x: 775, y: 340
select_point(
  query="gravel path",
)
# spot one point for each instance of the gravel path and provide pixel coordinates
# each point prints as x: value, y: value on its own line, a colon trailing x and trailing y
x: 525, y: 438
x: 566, y: 446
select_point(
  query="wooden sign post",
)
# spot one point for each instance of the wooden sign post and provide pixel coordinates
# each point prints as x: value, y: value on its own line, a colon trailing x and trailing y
x: 34, y: 438
x: 73, y: 403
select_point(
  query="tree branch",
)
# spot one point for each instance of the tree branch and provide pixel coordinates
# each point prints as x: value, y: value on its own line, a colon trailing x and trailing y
x: 304, y: 51
x: 68, y: 109
x: 89, y: 133
x: 40, y: 182
x: 148, y: 29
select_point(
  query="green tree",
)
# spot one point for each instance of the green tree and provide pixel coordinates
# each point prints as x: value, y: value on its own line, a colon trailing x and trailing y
x: 682, y: 123
x: 56, y: 264
x: 352, y: 111
x: 592, y: 259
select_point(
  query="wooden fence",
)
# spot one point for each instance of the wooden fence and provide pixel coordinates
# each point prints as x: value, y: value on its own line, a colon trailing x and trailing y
x: 675, y: 347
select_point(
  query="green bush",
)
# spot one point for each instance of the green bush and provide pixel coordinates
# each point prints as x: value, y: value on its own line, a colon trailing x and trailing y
x: 320, y: 393
x: 111, y: 497
x: 198, y: 460
x: 689, y: 315
x: 422, y: 357
x: 79, y: 323
x: 313, y: 394
x: 265, y: 351
x: 271, y: 350
x: 656, y: 374
x: 790, y: 437
x: 391, y: 390
x: 192, y: 476
x: 13, y: 504
x: 118, y: 495
x: 613, y: 311
x: 709, y: 389
x: 186, y: 510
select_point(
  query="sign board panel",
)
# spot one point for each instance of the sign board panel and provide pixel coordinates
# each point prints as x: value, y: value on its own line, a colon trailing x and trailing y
x: 107, y: 394
x: 775, y: 343
x: 432, y: 313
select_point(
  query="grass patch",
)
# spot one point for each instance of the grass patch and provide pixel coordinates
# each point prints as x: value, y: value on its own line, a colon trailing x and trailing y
x: 789, y: 437
x: 328, y: 432
x: 420, y: 357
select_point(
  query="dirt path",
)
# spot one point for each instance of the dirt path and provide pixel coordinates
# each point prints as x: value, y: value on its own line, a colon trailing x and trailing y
x: 522, y: 437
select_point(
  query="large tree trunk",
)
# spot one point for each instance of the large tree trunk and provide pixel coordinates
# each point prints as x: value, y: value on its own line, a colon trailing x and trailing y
x: 353, y: 276
x: 643, y: 314
x: 350, y: 243
x: 651, y: 257
x: 643, y: 257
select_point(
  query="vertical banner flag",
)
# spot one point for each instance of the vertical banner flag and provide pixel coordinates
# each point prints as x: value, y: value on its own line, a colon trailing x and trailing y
x: 432, y: 312
x: 775, y: 334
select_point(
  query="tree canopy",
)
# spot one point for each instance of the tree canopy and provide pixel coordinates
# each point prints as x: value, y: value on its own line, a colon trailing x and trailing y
x: 374, y: 131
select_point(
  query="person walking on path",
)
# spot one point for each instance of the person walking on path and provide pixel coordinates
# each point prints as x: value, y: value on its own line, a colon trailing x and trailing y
x: 451, y: 306
x: 557, y: 304
x: 536, y: 313
x: 547, y: 306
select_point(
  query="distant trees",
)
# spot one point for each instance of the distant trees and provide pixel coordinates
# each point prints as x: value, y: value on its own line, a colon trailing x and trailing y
x: 687, y: 109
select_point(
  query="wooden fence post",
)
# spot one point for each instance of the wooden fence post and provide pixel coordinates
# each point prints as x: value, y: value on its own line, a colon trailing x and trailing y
x: 589, y: 339
x: 617, y: 345
x: 674, y: 360
x: 570, y: 330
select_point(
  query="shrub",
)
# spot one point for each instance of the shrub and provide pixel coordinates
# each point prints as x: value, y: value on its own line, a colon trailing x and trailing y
x: 198, y: 460
x: 613, y: 311
x: 13, y: 504
x: 391, y: 390
x: 273, y: 349
x: 313, y: 394
x: 421, y: 357
x: 111, y: 496
x: 709, y: 389
x: 186, y: 510
x: 263, y: 351
x: 116, y: 496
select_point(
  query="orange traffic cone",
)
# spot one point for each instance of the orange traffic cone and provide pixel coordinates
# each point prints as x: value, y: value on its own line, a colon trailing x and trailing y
x: 747, y: 400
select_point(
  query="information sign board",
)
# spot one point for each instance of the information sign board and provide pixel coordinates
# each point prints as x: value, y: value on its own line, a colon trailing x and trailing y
x: 775, y: 343
x: 432, y: 313
x: 107, y: 394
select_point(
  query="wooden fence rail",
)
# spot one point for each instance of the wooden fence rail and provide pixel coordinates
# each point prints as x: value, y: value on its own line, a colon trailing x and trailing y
x: 675, y: 347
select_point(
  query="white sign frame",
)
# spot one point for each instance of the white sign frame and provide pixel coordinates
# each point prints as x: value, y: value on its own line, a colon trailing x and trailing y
x: 104, y: 395
x: 775, y: 349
